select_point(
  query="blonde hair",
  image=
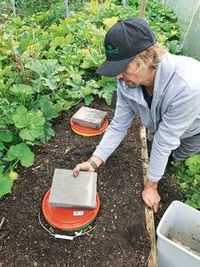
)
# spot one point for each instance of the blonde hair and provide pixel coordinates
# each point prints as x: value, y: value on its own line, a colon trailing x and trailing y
x: 150, y: 57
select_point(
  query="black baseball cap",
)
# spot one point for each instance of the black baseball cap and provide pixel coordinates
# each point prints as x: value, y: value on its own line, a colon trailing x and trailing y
x: 123, y: 42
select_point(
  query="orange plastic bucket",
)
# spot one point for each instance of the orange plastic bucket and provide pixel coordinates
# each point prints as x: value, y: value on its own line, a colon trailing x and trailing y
x: 85, y: 131
x: 70, y: 219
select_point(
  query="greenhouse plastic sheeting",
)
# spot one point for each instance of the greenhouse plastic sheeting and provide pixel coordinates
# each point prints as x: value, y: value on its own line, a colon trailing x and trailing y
x: 188, y: 12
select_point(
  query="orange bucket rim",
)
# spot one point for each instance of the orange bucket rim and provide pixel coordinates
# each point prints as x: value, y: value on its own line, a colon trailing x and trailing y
x: 88, y: 131
x: 65, y: 218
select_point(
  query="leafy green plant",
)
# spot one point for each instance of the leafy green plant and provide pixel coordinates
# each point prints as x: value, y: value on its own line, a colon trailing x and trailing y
x: 16, y: 153
x: 108, y: 86
x: 188, y: 178
x: 47, y: 71
x: 30, y: 123
x: 21, y: 152
x: 5, y: 184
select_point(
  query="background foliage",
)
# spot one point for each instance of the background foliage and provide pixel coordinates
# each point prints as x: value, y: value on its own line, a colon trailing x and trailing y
x: 188, y: 178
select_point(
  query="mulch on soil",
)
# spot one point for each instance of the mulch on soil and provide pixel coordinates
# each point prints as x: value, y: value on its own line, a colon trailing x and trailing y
x: 120, y: 237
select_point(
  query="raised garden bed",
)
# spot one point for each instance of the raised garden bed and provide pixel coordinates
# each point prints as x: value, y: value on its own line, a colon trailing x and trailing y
x: 120, y: 237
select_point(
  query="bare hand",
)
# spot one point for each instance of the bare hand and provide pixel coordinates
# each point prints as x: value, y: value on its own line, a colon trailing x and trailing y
x: 84, y: 166
x: 91, y: 165
x: 150, y: 195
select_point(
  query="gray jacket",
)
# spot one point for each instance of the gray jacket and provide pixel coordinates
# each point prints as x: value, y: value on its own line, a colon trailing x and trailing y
x: 174, y: 113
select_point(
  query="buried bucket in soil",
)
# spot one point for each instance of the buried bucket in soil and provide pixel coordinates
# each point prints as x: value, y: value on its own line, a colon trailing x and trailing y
x: 73, y: 221
x: 85, y: 131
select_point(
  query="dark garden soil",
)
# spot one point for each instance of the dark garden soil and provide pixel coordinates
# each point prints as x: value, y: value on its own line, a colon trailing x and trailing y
x: 119, y: 239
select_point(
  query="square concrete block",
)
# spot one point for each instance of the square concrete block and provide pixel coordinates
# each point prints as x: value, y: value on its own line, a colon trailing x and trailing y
x: 89, y: 117
x: 69, y: 191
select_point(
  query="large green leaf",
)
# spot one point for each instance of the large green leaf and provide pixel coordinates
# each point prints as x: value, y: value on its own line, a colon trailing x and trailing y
x: 193, y: 160
x: 1, y: 146
x: 193, y: 164
x: 47, y: 108
x: 88, y: 99
x: 108, y: 86
x: 109, y: 22
x: 26, y: 39
x: 31, y: 123
x: 21, y: 152
x: 5, y: 185
x: 92, y: 59
x: 6, y: 136
x: 36, y: 66
x: 22, y: 89
x: 1, y: 168
x: 58, y: 30
x: 63, y: 105
x: 45, y: 68
x: 76, y: 82
x: 188, y: 178
x: 58, y: 41
x: 62, y: 41
x: 51, y: 82
x: 48, y: 132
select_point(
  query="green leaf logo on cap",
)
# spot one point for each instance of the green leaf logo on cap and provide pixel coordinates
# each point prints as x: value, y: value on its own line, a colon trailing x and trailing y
x: 111, y: 50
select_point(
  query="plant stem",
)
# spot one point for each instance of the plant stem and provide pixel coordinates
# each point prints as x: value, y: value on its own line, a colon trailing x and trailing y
x: 2, y: 222
x: 67, y: 8
x: 13, y: 7
x: 125, y: 2
x: 142, y: 8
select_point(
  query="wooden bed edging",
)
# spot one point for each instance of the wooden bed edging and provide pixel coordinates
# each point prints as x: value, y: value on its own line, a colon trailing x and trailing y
x: 149, y: 215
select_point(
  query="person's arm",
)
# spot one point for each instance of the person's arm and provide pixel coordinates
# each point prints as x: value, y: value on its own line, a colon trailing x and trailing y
x: 117, y: 129
x: 113, y: 136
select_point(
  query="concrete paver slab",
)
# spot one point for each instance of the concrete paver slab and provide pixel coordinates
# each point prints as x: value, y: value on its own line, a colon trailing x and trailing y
x: 89, y: 117
x: 70, y: 191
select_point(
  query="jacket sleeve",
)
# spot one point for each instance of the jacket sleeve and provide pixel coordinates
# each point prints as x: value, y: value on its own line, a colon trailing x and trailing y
x: 181, y: 113
x: 117, y: 129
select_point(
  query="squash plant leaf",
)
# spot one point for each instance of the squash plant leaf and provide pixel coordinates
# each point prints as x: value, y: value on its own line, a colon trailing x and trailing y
x: 2, y: 169
x: 1, y: 146
x: 45, y: 68
x: 47, y: 109
x: 108, y: 86
x: 61, y: 41
x: 5, y: 185
x: 51, y: 82
x: 6, y: 136
x: 21, y: 152
x: 31, y: 123
x: 109, y: 22
x: 57, y: 42
x: 22, y: 89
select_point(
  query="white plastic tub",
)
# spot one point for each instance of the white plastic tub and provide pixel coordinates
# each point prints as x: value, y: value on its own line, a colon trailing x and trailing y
x: 178, y: 243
